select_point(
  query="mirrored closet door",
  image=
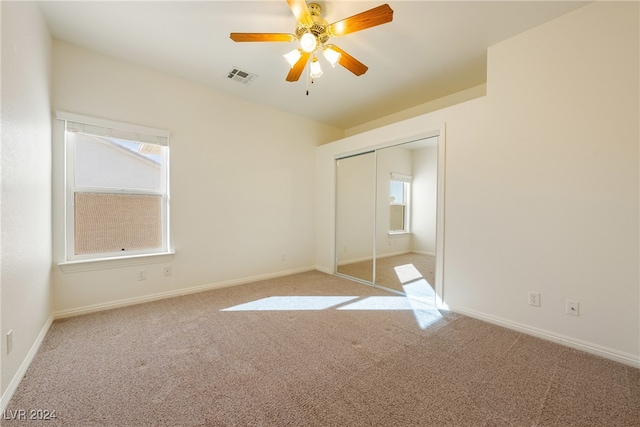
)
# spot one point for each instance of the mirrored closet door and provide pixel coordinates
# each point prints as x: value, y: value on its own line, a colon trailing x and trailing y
x: 400, y: 220
x: 355, y: 210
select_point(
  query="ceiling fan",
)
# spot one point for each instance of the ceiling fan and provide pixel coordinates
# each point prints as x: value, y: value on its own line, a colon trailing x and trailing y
x: 313, y: 32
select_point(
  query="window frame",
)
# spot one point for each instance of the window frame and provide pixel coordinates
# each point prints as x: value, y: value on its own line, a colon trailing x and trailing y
x: 122, y: 131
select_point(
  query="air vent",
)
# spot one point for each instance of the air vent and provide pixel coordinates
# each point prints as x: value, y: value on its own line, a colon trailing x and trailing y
x: 240, y: 76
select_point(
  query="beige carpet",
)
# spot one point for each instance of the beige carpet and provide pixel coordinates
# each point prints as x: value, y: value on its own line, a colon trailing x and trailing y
x: 313, y: 350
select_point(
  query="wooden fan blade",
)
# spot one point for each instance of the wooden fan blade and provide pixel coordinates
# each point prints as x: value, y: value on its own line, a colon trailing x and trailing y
x: 262, y: 37
x: 298, y: 68
x: 349, y: 62
x: 370, y: 18
x: 301, y: 12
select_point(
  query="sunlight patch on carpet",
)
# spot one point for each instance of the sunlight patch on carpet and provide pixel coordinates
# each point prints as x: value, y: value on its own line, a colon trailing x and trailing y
x: 379, y: 303
x: 292, y: 303
x: 421, y: 294
x: 425, y: 314
x: 407, y: 273
x: 420, y: 289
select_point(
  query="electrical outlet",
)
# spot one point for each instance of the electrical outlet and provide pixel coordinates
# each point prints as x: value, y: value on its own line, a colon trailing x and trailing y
x: 9, y: 341
x: 573, y: 308
x: 142, y: 275
x: 534, y: 299
x: 167, y: 271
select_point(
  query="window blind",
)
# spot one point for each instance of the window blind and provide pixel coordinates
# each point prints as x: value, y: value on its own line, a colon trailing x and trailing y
x: 108, y: 128
x: 400, y: 177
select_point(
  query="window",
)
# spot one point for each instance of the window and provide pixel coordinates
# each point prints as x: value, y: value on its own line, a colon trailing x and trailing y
x: 117, y: 189
x: 399, y: 206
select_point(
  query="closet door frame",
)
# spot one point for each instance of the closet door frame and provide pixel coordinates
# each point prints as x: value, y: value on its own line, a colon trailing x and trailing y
x: 439, y: 132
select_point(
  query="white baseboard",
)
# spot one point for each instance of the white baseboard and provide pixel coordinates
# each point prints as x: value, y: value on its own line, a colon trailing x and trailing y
x: 170, y: 294
x: 369, y: 258
x: 424, y: 253
x: 598, y: 350
x: 17, y: 378
x: 390, y: 254
x: 355, y: 260
x: 325, y: 270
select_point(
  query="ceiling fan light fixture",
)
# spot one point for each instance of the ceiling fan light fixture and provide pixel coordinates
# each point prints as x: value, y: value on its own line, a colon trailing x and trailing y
x: 292, y: 57
x: 313, y: 32
x: 308, y: 42
x: 314, y: 68
x: 331, y: 55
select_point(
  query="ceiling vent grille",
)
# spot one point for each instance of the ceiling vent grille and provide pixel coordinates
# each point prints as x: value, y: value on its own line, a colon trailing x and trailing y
x: 240, y: 76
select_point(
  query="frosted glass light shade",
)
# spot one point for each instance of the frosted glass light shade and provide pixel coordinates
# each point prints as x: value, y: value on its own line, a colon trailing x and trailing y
x: 308, y: 42
x: 315, y: 70
x: 332, y: 56
x: 293, y: 57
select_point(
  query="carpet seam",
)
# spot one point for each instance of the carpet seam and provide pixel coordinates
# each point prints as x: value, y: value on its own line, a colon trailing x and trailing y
x: 546, y: 394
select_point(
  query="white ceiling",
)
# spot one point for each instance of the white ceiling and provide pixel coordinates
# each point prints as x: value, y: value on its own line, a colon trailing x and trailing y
x: 429, y: 50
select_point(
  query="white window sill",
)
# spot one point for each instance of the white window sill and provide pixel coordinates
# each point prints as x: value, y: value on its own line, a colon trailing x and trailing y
x: 115, y: 262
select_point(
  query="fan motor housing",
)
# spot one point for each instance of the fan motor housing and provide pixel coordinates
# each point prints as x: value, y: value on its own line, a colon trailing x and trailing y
x: 319, y: 27
x: 314, y: 9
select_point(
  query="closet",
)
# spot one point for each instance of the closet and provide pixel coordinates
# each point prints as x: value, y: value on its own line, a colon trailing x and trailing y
x: 387, y: 218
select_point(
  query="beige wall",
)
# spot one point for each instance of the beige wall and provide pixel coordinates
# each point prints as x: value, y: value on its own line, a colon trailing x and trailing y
x: 242, y: 181
x: 554, y: 175
x: 424, y: 199
x: 428, y: 107
x: 25, y: 242
x: 542, y: 180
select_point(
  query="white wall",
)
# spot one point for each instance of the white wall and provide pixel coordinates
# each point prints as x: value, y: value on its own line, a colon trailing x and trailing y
x: 242, y: 180
x: 25, y: 242
x: 542, y: 180
x: 437, y: 104
x: 424, y: 190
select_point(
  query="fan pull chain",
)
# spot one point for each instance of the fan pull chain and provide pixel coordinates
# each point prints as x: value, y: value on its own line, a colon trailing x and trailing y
x: 308, y: 84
